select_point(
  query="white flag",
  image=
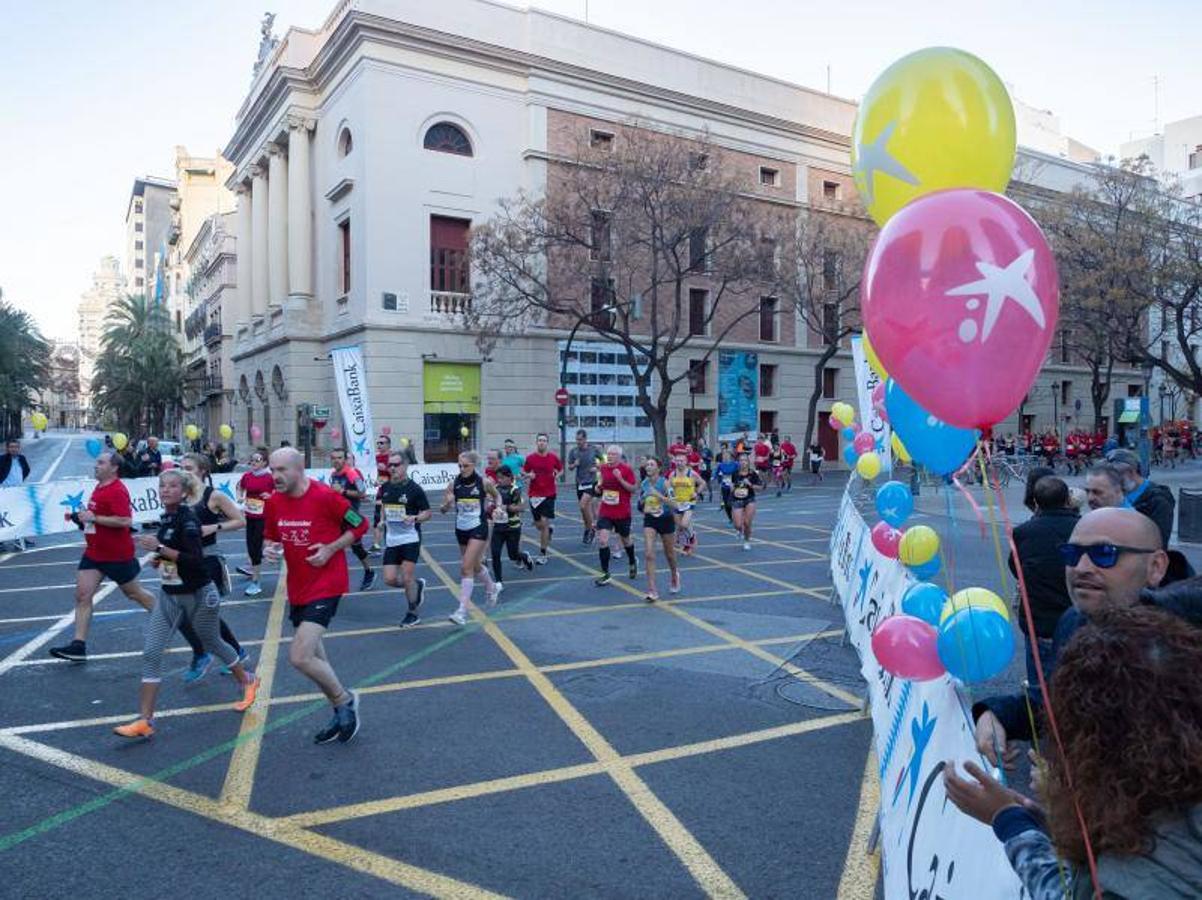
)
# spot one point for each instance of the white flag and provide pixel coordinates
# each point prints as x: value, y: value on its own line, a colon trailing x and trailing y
x: 866, y: 382
x: 350, y: 379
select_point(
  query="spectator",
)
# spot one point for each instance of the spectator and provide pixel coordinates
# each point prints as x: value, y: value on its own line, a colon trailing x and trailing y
x: 14, y: 469
x: 1130, y: 720
x: 150, y: 461
x: 1037, y: 544
x: 1104, y: 487
x: 1036, y: 473
x: 1156, y: 501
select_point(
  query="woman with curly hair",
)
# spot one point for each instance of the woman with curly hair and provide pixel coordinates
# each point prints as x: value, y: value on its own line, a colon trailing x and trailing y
x: 1126, y: 700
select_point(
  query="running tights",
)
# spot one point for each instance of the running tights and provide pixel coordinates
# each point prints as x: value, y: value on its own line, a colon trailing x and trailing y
x: 511, y: 540
x: 202, y: 609
x: 193, y: 639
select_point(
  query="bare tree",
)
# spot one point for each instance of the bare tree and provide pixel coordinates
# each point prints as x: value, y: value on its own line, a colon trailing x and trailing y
x: 627, y: 234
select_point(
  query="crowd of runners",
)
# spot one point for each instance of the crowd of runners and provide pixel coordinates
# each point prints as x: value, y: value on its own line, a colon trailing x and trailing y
x: 306, y: 523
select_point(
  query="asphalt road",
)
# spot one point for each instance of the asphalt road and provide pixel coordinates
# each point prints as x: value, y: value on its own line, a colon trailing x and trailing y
x: 59, y: 454
x: 577, y: 742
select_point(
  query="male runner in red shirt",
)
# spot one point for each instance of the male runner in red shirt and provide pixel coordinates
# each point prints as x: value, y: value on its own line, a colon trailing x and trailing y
x: 314, y: 524
x: 763, y: 456
x: 545, y: 467
x: 788, y: 456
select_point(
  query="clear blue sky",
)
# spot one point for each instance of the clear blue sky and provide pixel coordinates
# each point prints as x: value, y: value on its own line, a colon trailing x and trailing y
x: 98, y: 93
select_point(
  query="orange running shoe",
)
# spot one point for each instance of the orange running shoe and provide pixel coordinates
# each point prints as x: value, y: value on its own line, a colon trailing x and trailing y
x: 249, y: 691
x: 139, y: 728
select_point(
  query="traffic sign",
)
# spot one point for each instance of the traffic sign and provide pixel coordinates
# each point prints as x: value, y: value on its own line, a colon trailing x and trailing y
x: 562, y: 397
x: 319, y: 416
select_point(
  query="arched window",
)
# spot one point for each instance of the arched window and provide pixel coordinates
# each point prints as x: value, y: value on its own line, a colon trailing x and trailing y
x: 447, y: 138
x: 345, y: 142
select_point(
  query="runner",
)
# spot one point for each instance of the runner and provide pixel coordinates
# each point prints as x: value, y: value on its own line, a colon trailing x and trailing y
x: 763, y: 457
x: 788, y: 451
x: 707, y: 469
x: 216, y: 512
x: 778, y: 465
x: 726, y: 468
x: 615, y: 485
x: 583, y: 459
x: 254, y: 488
x: 507, y: 527
x: 544, y: 467
x: 109, y: 552
x: 404, y: 508
x: 467, y: 493
x: 383, y: 453
x: 743, y: 486
x: 685, y: 484
x: 659, y: 527
x: 817, y: 457
x: 510, y: 457
x: 187, y: 591
x: 677, y: 446
x: 347, y: 481
x: 492, y: 462
x: 309, y: 525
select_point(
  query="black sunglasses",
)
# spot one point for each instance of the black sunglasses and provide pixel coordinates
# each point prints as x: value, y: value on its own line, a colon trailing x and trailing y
x: 393, y: 465
x: 1104, y: 556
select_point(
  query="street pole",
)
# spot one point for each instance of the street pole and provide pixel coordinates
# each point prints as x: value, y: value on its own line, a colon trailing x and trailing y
x: 563, y: 410
x: 1145, y: 416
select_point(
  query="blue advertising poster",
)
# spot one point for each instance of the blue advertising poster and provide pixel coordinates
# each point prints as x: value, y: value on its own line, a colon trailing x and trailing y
x: 738, y: 394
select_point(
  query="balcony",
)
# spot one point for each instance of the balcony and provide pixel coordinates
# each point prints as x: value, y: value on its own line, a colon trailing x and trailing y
x: 212, y: 332
x: 446, y: 303
x: 213, y: 385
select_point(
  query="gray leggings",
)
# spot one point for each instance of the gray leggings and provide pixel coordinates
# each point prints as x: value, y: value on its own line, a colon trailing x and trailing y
x: 203, y: 610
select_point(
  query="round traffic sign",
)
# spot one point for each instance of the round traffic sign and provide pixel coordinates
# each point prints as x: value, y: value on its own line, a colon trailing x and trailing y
x: 562, y: 397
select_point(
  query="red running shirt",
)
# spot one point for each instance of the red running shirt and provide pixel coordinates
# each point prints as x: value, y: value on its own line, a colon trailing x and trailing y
x: 318, y: 516
x: 106, y: 543
x: 789, y: 453
x: 615, y: 500
x: 762, y: 453
x: 544, y: 468
x: 257, y: 486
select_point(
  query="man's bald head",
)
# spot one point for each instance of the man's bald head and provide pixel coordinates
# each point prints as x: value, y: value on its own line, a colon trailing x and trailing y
x: 1143, y: 564
x: 288, y: 471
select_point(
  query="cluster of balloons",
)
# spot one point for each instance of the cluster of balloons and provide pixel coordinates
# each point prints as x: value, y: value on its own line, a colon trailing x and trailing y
x: 967, y: 635
x: 860, y: 452
x: 917, y: 547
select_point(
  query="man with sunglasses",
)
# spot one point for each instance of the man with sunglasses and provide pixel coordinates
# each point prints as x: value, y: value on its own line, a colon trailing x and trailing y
x: 1112, y: 555
x: 405, y: 506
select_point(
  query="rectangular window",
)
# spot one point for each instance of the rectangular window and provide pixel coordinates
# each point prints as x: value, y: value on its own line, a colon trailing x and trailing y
x: 830, y: 190
x: 137, y: 245
x: 830, y: 321
x: 139, y: 263
x: 138, y: 227
x: 1195, y: 158
x: 830, y: 383
x: 699, y: 162
x: 601, y: 239
x: 768, y: 256
x: 767, y: 380
x: 449, y: 269
x: 601, y: 302
x: 1064, y: 345
x: 697, y: 373
x: 768, y: 319
x: 830, y: 270
x: 1066, y: 394
x: 769, y: 177
x: 139, y: 282
x: 698, y: 250
x: 1134, y: 390
x: 600, y: 140
x: 697, y: 310
x: 344, y: 256
x: 1164, y: 350
x: 767, y: 421
x: 137, y: 206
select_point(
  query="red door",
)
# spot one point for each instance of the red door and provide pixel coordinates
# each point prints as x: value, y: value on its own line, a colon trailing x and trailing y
x: 828, y: 437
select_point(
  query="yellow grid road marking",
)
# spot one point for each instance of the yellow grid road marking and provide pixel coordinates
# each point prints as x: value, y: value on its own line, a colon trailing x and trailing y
x: 861, y: 868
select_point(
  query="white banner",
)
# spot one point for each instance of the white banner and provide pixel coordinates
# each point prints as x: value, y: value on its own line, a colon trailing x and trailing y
x: 866, y: 382
x: 928, y: 847
x: 350, y: 383
x: 35, y: 509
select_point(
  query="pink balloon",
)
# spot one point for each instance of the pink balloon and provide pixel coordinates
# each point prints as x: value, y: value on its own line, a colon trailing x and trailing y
x: 256, y: 433
x: 386, y: 430
x: 864, y: 442
x: 856, y: 427
x: 886, y: 539
x: 961, y: 297
x: 908, y: 647
x: 335, y: 433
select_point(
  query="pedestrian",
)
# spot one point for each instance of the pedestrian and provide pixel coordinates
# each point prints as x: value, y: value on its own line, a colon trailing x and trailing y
x: 108, y: 553
x: 544, y: 468
x: 467, y: 494
x: 659, y: 527
x: 309, y: 525
x: 582, y: 460
x: 404, y: 507
x: 350, y: 483
x: 744, y: 483
x: 14, y: 469
x: 1154, y: 500
x: 186, y: 591
x: 254, y: 487
x: 507, y: 528
x: 616, y: 483
x: 816, y: 459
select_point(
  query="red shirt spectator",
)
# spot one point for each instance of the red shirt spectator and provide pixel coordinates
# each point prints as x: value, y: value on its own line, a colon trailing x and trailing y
x: 104, y: 542
x: 318, y: 516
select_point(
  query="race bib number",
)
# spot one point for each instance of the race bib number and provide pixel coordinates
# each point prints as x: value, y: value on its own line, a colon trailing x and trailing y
x: 467, y: 514
x: 394, y: 513
x: 254, y: 506
x: 536, y: 502
x: 741, y: 493
x: 653, y: 506
x: 609, y: 498
x: 170, y: 573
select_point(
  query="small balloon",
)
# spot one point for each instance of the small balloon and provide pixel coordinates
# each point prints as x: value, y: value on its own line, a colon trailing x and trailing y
x: 907, y: 647
x: 335, y: 433
x: 191, y: 432
x: 843, y: 413
x: 919, y: 545
x: 93, y: 447
x: 886, y: 539
x: 404, y: 443
x: 120, y: 441
x: 928, y: 570
x: 864, y: 442
x: 976, y: 598
x: 856, y: 427
x: 226, y: 432
x: 386, y: 430
x: 940, y: 447
x: 256, y: 433
x: 868, y: 466
x: 925, y: 600
x: 849, y: 434
x: 39, y: 421
x: 894, y: 503
x: 976, y: 644
x: 464, y: 432
x: 850, y: 456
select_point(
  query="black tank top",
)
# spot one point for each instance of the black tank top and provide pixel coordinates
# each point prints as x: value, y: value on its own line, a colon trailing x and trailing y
x: 207, y: 516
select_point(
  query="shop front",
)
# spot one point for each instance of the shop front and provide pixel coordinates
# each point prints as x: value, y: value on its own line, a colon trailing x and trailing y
x: 451, y: 409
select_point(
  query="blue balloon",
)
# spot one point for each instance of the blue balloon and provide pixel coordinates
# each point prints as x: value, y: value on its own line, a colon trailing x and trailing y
x: 93, y: 447
x: 940, y: 447
x: 850, y: 456
x: 849, y: 434
x: 928, y: 569
x: 924, y: 601
x: 976, y: 644
x: 894, y: 503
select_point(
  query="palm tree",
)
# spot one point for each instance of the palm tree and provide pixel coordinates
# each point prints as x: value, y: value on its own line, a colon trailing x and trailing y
x: 139, y: 372
x: 23, y: 370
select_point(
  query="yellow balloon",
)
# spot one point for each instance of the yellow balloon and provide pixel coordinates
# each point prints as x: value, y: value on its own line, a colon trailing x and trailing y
x: 869, y: 466
x: 979, y: 597
x: 874, y: 361
x: 918, y: 545
x: 226, y: 432
x: 937, y: 118
x: 463, y: 432
x: 39, y: 421
x: 899, y: 448
x: 120, y: 441
x: 191, y: 432
x: 404, y: 443
x: 843, y: 413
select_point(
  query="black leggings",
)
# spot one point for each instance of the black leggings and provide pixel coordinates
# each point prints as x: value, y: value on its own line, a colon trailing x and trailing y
x: 254, y: 539
x: 190, y: 635
x: 360, y: 552
x: 511, y: 540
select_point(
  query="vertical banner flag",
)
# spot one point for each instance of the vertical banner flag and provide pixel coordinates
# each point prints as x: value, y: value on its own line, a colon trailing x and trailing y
x: 350, y: 380
x: 738, y: 394
x: 866, y: 381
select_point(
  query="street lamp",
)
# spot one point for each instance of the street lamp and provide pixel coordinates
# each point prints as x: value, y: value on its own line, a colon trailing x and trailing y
x: 563, y: 373
x: 1145, y: 416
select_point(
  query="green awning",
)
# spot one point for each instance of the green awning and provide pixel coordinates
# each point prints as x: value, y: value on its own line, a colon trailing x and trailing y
x: 1129, y: 417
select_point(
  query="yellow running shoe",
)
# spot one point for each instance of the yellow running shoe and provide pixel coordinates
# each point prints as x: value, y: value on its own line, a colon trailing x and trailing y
x: 139, y: 728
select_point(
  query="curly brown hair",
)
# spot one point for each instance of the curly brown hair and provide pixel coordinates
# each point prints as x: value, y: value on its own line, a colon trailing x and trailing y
x: 1126, y: 699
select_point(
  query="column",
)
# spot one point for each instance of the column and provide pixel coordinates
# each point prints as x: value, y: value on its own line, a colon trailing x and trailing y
x: 300, y: 211
x: 277, y: 226
x: 239, y: 311
x: 258, y: 242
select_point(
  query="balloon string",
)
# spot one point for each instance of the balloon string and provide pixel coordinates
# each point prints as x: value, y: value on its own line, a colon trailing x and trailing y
x: 953, y: 539
x: 993, y: 525
x: 1049, y: 713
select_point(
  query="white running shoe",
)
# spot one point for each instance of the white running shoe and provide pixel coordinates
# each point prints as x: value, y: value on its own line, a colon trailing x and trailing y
x: 674, y: 584
x: 746, y: 545
x: 495, y: 594
x: 459, y: 616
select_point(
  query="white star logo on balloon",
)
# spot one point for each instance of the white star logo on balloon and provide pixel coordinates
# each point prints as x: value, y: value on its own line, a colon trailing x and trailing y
x: 875, y: 157
x: 999, y: 285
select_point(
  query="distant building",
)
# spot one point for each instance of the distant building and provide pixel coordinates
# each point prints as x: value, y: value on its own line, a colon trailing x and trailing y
x: 1176, y: 152
x: 61, y: 398
x: 1039, y: 130
x: 147, y: 221
x: 108, y: 287
x: 212, y: 294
